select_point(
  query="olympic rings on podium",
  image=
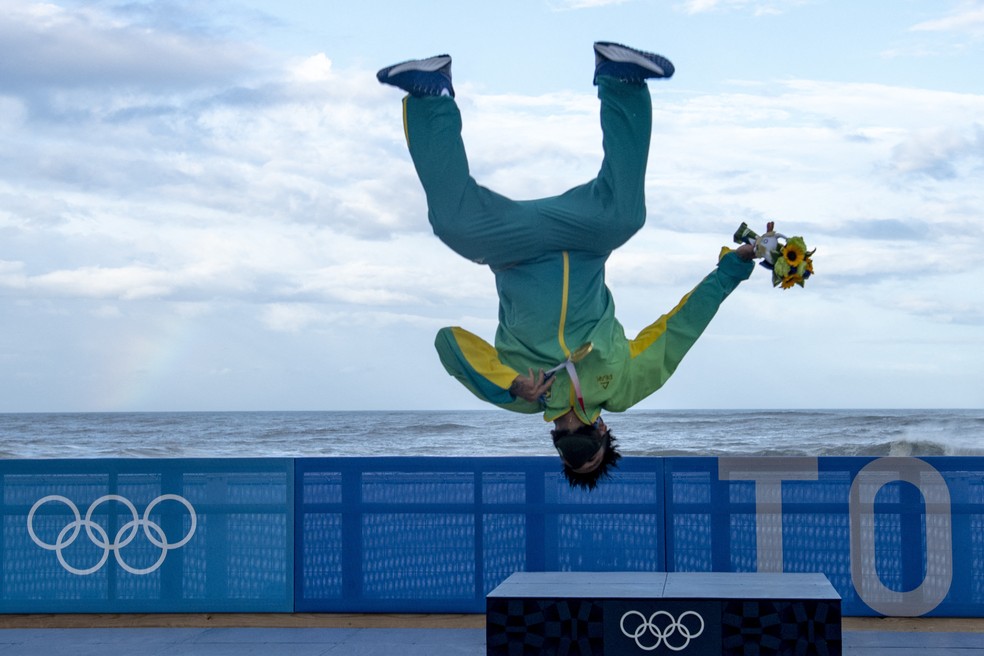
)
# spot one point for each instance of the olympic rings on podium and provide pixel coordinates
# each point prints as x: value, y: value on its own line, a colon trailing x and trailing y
x: 663, y: 631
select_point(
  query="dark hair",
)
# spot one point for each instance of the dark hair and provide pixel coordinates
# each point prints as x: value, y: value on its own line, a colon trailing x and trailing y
x: 589, y: 480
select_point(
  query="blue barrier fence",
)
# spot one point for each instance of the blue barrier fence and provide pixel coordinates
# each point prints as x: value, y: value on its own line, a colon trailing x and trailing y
x: 113, y: 536
x: 895, y: 536
x: 436, y: 534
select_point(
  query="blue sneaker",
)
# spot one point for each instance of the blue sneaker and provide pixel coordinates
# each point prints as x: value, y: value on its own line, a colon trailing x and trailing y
x: 421, y: 77
x: 628, y: 64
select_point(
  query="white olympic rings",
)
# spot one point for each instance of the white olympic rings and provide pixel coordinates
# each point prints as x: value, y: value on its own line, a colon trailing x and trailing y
x: 100, y: 538
x: 664, y: 633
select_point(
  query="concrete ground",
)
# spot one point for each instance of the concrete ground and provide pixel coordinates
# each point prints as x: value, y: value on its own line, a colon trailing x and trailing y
x: 378, y: 635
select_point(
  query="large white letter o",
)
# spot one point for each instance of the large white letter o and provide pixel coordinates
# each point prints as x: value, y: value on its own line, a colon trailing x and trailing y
x: 939, y: 546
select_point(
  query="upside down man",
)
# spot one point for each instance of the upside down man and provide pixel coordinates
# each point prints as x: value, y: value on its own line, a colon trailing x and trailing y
x: 558, y: 348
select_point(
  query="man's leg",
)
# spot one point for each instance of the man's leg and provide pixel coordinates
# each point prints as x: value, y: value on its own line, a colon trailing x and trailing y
x: 475, y: 222
x: 604, y: 213
x: 487, y: 227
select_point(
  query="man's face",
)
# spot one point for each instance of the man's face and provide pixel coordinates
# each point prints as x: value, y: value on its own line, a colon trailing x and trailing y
x: 595, y: 461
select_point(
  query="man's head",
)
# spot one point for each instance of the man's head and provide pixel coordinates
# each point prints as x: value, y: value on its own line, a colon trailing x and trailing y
x: 588, y: 453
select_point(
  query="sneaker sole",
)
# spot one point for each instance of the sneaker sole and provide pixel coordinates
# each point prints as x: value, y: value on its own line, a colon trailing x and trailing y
x: 623, y: 54
x: 426, y: 65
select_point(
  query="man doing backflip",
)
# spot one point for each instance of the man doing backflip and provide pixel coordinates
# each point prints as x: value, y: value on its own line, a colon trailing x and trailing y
x: 558, y: 349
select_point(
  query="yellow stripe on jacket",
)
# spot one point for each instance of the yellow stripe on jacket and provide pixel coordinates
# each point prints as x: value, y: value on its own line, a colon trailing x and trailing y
x: 483, y: 358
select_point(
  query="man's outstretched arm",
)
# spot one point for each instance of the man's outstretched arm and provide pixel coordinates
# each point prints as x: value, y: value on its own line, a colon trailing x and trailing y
x: 658, y: 349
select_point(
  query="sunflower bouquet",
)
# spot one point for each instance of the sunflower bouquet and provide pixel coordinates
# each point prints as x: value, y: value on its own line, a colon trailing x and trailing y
x: 787, y: 257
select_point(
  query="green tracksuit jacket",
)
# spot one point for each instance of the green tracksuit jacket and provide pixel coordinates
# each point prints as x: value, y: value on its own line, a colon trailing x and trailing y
x: 548, y: 256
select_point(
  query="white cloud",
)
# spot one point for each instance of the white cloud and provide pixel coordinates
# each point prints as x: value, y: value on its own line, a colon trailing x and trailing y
x: 756, y: 7
x: 49, y: 46
x: 311, y: 194
x: 290, y: 317
x: 12, y: 274
x: 316, y: 68
x: 126, y: 283
x: 967, y: 18
x: 941, y: 152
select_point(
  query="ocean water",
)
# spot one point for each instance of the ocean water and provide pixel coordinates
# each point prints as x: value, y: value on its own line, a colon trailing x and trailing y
x: 485, y: 433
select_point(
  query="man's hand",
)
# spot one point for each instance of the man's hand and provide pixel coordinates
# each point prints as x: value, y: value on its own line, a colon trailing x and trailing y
x: 746, y: 252
x: 531, y: 387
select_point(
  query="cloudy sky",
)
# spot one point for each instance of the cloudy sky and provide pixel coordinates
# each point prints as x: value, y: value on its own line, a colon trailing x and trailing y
x: 209, y: 206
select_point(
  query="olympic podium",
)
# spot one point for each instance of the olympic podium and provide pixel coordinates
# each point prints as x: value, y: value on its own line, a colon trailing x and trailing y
x: 691, y: 613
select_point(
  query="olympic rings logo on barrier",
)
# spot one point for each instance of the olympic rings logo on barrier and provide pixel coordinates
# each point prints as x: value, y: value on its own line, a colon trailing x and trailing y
x: 663, y: 631
x: 99, y: 537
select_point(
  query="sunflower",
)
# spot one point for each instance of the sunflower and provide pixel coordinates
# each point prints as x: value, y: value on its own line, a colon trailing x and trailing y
x: 794, y: 252
x: 789, y: 281
x: 808, y: 266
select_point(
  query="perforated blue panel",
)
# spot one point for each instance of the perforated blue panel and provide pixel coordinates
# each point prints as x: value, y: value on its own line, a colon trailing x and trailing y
x: 895, y: 536
x: 924, y: 551
x: 146, y: 536
x: 412, y: 535
x: 437, y: 534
